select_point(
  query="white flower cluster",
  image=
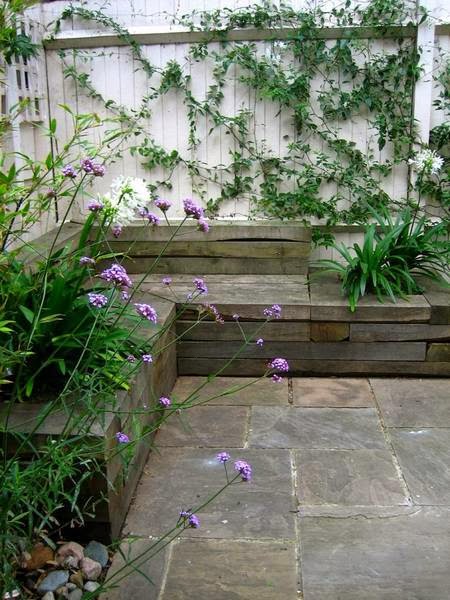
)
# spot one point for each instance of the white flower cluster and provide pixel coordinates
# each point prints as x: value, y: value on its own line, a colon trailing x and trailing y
x: 427, y: 161
x: 274, y: 54
x: 127, y: 196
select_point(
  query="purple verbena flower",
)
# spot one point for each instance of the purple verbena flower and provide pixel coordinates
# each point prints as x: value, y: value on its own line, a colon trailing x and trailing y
x: 192, y: 210
x: 203, y: 225
x: 236, y: 317
x: 259, y: 342
x: 69, y: 171
x: 194, y: 521
x: 87, y: 260
x: 184, y: 514
x: 95, y: 206
x: 131, y: 358
x: 124, y: 295
x: 244, y: 470
x: 122, y: 438
x: 276, y: 378
x: 163, y: 205
x: 167, y: 280
x: 87, y: 165
x: 152, y: 218
x: 213, y: 311
x: 223, y: 457
x: 165, y: 402
x: 97, y: 300
x: 200, y: 285
x: 147, y: 358
x: 279, y: 364
x: 98, y: 170
x: 116, y: 230
x: 116, y: 274
x: 146, y: 311
x: 273, y: 311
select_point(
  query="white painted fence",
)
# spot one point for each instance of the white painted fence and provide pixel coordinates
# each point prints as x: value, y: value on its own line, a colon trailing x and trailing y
x: 113, y: 70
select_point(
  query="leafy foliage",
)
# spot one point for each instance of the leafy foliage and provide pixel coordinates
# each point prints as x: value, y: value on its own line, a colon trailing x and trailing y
x: 394, y: 254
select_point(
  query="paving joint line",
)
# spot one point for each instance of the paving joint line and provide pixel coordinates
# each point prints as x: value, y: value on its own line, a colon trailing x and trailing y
x: 390, y: 447
x: 298, y: 558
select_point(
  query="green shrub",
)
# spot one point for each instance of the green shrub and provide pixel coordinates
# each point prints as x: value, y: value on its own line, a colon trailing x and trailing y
x: 393, y: 256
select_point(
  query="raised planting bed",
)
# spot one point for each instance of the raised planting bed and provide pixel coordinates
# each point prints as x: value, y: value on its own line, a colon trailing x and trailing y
x: 112, y: 488
x: 230, y: 247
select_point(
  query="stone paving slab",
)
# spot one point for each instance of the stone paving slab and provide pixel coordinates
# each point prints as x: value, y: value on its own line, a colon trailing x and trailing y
x: 341, y: 428
x: 348, y: 477
x: 205, y: 426
x: 182, y: 478
x: 231, y: 570
x: 424, y: 456
x: 147, y: 583
x: 261, y: 392
x: 372, y: 557
x: 332, y: 392
x: 413, y: 402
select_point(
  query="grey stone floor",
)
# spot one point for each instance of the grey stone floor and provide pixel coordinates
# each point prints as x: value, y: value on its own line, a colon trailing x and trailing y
x: 350, y: 498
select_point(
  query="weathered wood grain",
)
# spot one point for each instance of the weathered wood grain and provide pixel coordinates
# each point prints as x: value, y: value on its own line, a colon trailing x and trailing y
x: 397, y: 332
x: 255, y: 367
x: 328, y: 304
x: 274, y: 331
x: 229, y: 266
x: 439, y: 353
x: 338, y: 351
x: 439, y: 300
x: 329, y: 332
x: 207, y: 249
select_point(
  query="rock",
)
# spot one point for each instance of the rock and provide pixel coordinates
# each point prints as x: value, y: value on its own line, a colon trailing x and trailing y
x: 53, y: 581
x: 91, y: 586
x: 91, y: 569
x: 69, y: 555
x: 62, y: 592
x: 97, y: 552
x: 76, y: 594
x: 71, y: 586
x: 77, y: 579
x: 39, y: 555
x: 48, y: 596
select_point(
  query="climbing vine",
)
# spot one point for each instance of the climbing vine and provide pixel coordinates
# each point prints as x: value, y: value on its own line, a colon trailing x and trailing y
x: 317, y: 86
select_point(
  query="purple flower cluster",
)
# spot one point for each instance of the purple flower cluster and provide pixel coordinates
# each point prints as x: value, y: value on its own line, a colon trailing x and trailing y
x: 203, y: 225
x: 87, y: 260
x: 122, y: 438
x: 213, y: 311
x: 279, y: 364
x: 124, y: 295
x: 151, y: 217
x: 163, y: 205
x: 276, y: 378
x: 223, y: 457
x: 116, y: 274
x: 200, y: 285
x: 147, y: 358
x: 192, y: 210
x: 167, y: 280
x: 192, y: 520
x: 91, y: 167
x: 95, y: 206
x: 116, y: 230
x: 273, y: 312
x: 69, y: 172
x: 131, y: 358
x: 259, y: 342
x: 165, y: 402
x: 146, y: 311
x: 97, y: 300
x: 244, y: 470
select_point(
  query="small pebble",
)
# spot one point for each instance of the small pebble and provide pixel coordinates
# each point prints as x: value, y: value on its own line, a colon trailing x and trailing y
x: 48, y: 596
x: 91, y: 569
x: 91, y: 586
x: 53, y: 581
x: 97, y: 552
x: 71, y: 586
x: 76, y: 594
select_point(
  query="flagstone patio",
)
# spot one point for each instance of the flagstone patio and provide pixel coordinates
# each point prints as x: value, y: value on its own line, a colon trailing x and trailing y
x: 350, y: 498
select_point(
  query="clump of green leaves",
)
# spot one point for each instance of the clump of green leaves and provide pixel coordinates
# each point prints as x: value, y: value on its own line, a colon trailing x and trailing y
x: 392, y: 258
